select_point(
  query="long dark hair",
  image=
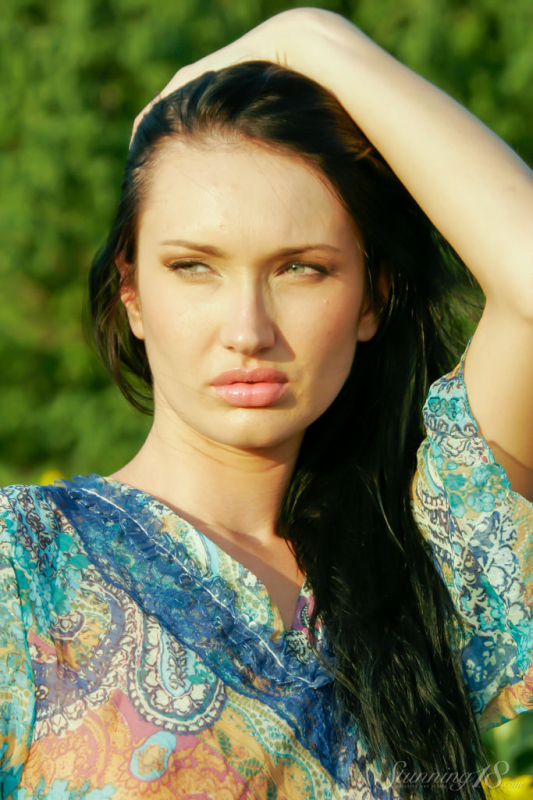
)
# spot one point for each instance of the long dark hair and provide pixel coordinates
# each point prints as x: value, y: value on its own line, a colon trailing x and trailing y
x: 347, y: 512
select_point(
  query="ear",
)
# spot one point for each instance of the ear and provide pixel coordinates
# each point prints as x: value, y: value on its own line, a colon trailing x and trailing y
x: 130, y: 296
x: 376, y: 297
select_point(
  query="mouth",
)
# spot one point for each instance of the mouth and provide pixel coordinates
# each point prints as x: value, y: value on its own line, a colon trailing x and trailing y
x: 260, y: 375
x: 255, y: 388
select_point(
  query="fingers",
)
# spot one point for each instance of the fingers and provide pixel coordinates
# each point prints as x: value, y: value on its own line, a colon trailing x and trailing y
x: 138, y: 119
x: 181, y: 77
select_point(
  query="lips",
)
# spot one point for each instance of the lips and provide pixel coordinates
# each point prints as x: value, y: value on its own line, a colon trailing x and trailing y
x: 261, y: 375
x: 254, y: 388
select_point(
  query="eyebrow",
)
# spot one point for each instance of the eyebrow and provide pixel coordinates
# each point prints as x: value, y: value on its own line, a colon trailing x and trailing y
x: 215, y: 251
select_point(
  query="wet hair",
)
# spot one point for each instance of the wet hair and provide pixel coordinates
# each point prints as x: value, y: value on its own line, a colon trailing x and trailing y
x: 347, y: 513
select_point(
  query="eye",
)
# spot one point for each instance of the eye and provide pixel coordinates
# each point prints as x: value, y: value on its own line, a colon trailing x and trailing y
x: 197, y: 269
x: 190, y: 268
x: 296, y: 268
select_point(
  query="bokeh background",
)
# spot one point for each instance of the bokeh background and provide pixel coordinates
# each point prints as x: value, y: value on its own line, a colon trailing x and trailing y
x: 74, y: 73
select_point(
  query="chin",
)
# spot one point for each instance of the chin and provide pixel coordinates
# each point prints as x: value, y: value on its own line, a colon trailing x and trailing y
x: 255, y: 435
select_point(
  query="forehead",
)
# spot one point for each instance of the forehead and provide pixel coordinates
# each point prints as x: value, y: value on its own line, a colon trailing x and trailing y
x: 241, y: 189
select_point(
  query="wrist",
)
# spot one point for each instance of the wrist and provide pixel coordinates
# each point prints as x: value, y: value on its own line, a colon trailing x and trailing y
x: 311, y: 40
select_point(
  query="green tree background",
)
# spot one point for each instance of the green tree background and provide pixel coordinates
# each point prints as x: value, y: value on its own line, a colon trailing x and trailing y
x: 74, y: 74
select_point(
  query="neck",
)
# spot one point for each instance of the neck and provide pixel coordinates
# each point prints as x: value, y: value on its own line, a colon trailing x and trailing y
x: 235, y: 493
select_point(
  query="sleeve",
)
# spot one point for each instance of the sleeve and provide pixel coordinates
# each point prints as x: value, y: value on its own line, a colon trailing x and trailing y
x: 480, y: 533
x: 17, y: 696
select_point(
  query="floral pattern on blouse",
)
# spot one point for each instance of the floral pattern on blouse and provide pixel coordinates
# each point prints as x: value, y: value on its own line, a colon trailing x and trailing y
x: 138, y: 659
x: 481, y: 535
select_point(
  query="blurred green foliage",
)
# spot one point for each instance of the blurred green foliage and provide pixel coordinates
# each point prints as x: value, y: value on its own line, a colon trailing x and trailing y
x: 513, y: 743
x: 74, y: 75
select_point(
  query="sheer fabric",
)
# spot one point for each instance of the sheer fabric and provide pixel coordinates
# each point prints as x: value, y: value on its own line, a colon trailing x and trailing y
x: 139, y: 659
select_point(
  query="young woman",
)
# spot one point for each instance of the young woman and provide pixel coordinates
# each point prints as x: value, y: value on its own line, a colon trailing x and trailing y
x: 289, y: 592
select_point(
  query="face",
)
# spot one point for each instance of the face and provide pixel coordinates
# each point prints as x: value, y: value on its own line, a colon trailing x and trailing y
x: 246, y: 261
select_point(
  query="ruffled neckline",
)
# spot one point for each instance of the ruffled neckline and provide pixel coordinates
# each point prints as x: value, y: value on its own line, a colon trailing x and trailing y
x: 210, y: 556
x: 156, y: 532
x: 125, y: 535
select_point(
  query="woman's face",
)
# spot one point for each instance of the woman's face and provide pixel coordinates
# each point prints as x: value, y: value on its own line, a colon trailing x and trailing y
x: 246, y: 260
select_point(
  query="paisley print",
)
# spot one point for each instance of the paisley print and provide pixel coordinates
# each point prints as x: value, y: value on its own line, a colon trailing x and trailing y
x: 170, y: 686
x: 481, y: 536
x: 139, y: 660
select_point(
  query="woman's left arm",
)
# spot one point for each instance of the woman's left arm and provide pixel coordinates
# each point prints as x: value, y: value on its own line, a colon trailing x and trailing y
x: 476, y: 191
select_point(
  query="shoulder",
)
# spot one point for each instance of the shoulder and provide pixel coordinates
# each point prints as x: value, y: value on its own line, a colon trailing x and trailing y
x: 457, y: 462
x: 40, y: 554
x: 20, y: 502
x: 28, y: 520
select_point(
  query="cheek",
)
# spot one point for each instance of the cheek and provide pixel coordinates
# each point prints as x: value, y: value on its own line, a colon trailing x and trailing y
x: 325, y: 343
x: 169, y: 317
x: 177, y: 335
x: 334, y: 328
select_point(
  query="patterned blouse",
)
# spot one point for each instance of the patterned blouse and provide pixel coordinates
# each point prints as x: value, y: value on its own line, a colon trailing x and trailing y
x: 139, y: 660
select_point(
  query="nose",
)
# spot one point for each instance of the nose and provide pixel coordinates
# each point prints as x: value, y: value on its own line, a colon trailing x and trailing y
x: 248, y: 326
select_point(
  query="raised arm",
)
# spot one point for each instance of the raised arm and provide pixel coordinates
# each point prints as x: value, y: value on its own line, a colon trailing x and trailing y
x: 476, y: 191
x: 474, y: 188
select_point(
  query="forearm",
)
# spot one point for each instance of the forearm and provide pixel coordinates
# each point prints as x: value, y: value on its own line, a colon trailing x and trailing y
x: 474, y: 188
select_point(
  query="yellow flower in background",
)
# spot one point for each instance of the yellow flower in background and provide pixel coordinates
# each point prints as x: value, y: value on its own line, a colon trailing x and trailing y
x: 519, y: 788
x: 49, y: 476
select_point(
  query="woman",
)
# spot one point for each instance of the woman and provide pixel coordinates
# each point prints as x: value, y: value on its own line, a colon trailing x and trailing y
x: 277, y: 597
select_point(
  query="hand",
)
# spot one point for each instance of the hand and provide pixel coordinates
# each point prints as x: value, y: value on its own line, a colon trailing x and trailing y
x: 265, y: 42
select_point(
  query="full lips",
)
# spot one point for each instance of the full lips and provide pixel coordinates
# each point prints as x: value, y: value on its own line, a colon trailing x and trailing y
x: 251, y: 395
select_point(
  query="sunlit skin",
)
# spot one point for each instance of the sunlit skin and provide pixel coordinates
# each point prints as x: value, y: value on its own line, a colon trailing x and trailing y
x: 223, y: 467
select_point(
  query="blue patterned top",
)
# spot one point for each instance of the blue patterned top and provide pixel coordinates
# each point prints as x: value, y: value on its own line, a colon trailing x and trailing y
x: 139, y: 659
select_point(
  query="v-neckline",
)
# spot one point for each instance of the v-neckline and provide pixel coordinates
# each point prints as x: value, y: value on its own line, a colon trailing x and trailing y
x: 126, y: 536
x: 210, y: 546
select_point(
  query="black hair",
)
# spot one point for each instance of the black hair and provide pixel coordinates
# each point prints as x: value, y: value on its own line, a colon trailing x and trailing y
x: 347, y: 512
